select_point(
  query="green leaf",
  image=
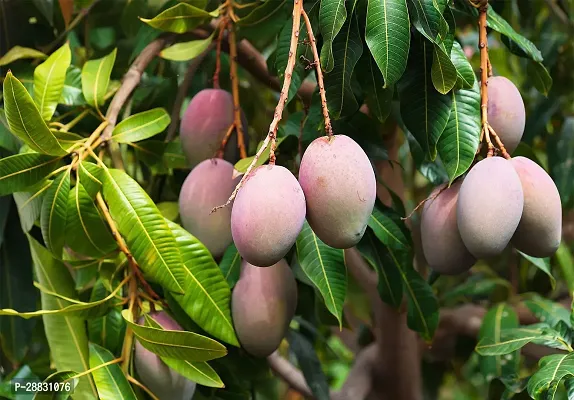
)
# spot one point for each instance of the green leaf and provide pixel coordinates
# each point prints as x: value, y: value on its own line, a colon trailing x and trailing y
x: 96, y: 78
x: 510, y: 340
x: 111, y: 382
x: 388, y: 37
x: 199, y: 372
x: 186, y: 51
x: 547, y: 311
x: 422, y: 305
x: 49, y: 80
x: 178, y: 19
x: 30, y: 204
x: 68, y: 384
x: 242, y: 165
x: 496, y: 320
x: 347, y: 50
x: 443, y: 71
x: 230, y: 265
x: 325, y: 267
x: 147, y: 234
x: 72, y: 94
x: 553, y: 369
x: 540, y: 77
x: 464, y: 72
x: 332, y: 16
x: 55, y: 212
x: 86, y: 231
x: 424, y: 111
x: 427, y: 19
x: 458, y: 143
x: 388, y: 227
x: 25, y: 120
x: 169, y: 209
x: 90, y: 177
x: 66, y: 334
x: 20, y: 171
x: 108, y: 330
x: 207, y: 295
x: 543, y: 264
x: 261, y: 13
x: 389, y: 281
x: 561, y: 159
x: 379, y: 100
x: 141, y: 126
x: 310, y: 364
x: 19, y: 53
x: 180, y: 345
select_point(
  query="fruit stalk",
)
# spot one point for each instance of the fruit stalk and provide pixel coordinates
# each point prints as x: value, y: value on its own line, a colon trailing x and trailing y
x: 222, y: 26
x: 317, y: 64
x: 235, y: 91
x: 272, y: 134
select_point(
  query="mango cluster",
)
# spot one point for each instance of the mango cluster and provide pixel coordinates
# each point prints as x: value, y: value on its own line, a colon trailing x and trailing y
x: 498, y: 203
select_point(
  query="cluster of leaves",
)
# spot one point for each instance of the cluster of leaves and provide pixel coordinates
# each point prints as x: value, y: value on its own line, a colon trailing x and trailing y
x: 403, y: 58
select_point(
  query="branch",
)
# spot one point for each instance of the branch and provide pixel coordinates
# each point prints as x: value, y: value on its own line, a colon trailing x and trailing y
x: 182, y: 91
x: 283, y: 369
x: 359, y: 381
x: 130, y: 81
x: 234, y: 76
x: 81, y: 15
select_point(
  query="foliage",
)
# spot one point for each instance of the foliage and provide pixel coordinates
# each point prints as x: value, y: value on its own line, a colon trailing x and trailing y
x: 85, y: 240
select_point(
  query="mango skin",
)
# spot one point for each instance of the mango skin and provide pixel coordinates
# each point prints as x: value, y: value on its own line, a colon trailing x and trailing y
x: 263, y: 303
x: 340, y: 189
x: 267, y: 215
x: 506, y: 113
x: 208, y: 185
x: 204, y: 125
x: 489, y: 207
x: 442, y: 245
x: 164, y: 382
x: 540, y: 229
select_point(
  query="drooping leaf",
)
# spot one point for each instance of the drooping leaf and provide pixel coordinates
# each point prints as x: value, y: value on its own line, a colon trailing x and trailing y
x: 424, y: 111
x: 207, y: 295
x: 377, y: 98
x: 543, y: 264
x: 110, y: 380
x: 178, y: 19
x: 426, y: 18
x: 553, y: 369
x: 180, y: 345
x: 540, y: 77
x: 20, y: 171
x: 19, y: 53
x: 464, y: 71
x: 261, y: 13
x: 388, y: 37
x: 186, y: 51
x: 30, y: 204
x: 199, y: 372
x: 547, y: 311
x: 67, y: 383
x: 66, y: 334
x: 55, y: 212
x: 86, y: 231
x: 147, y: 234
x: 347, y: 50
x: 561, y: 158
x: 389, y: 281
x: 325, y: 267
x: 443, y: 71
x: 332, y: 16
x: 458, y: 143
x: 230, y: 265
x: 49, y: 80
x: 90, y: 177
x: 310, y: 364
x: 497, y: 319
x: 108, y: 330
x: 96, y: 78
x: 72, y: 94
x: 141, y: 126
x: 24, y: 119
x: 388, y: 227
x: 514, y: 339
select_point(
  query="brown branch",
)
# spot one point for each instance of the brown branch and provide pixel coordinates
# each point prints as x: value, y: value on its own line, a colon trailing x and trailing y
x: 130, y: 81
x: 182, y: 92
x: 81, y: 15
x: 221, y: 27
x: 317, y: 64
x: 359, y: 381
x: 221, y: 151
x: 234, y: 76
x: 289, y: 374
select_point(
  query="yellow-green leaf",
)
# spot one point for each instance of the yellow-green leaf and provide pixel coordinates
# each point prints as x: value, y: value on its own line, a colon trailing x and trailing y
x: 18, y: 53
x: 55, y: 212
x: 111, y: 381
x: 178, y: 19
x: 186, y: 51
x: 49, y: 78
x: 96, y: 78
x: 20, y: 171
x: 141, y: 126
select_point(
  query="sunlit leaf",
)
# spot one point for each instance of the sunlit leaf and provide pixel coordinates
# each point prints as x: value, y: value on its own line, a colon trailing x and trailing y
x: 443, y: 71
x: 230, y: 265
x: 141, y: 126
x: 19, y: 53
x: 96, y: 78
x: 49, y: 80
x: 20, y: 171
x: 553, y: 369
x: 178, y: 19
x: 464, y: 71
x: 111, y: 381
x: 186, y: 51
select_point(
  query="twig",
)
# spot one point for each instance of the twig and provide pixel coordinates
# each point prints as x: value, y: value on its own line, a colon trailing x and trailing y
x: 182, y: 91
x: 222, y: 26
x: 131, y: 79
x: 234, y: 76
x: 290, y: 374
x: 431, y: 197
x: 221, y: 151
x: 81, y: 15
x: 317, y: 64
x: 142, y: 386
x: 297, y: 8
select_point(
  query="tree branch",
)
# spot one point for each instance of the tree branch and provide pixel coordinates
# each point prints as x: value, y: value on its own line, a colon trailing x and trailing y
x: 283, y: 369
